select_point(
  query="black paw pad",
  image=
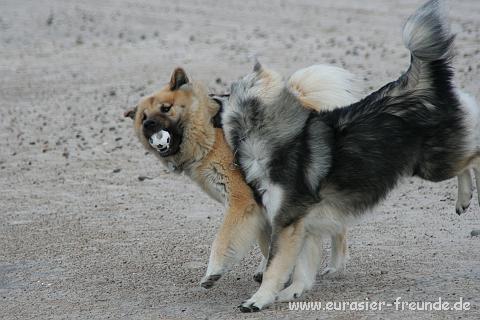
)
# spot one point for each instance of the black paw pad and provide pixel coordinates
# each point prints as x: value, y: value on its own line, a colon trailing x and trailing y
x: 244, y: 309
x: 258, y: 277
x: 248, y: 309
x: 207, y: 284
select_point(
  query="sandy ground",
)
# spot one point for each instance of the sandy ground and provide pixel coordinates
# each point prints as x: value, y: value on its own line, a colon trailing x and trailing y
x: 82, y: 238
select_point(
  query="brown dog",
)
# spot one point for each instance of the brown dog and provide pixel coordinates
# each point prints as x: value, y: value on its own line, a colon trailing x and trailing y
x: 186, y: 111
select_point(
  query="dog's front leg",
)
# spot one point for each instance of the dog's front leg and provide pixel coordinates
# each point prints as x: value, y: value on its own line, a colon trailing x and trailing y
x: 465, y: 191
x: 287, y: 242
x: 241, y: 227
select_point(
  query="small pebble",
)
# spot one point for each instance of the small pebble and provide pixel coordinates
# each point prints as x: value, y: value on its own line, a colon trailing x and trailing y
x: 142, y: 178
x: 117, y: 170
x: 475, y: 233
x: 50, y: 19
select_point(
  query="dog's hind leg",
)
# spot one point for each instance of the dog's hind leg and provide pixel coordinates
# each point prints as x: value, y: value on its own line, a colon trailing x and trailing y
x: 258, y: 276
x: 305, y: 270
x: 477, y: 179
x: 338, y: 255
x: 239, y: 230
x: 465, y: 191
x: 264, y: 244
x: 472, y: 125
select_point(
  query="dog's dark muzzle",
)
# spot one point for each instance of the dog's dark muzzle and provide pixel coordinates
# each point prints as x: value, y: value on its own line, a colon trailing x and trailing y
x: 150, y: 127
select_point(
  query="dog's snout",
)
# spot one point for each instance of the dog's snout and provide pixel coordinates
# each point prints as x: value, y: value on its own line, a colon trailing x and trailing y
x: 149, y: 124
x: 150, y: 127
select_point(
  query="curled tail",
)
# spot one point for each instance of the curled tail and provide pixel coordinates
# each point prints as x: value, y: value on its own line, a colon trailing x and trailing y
x: 323, y: 87
x: 427, y: 35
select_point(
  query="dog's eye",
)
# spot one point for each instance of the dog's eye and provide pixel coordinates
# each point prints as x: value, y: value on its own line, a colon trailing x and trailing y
x: 165, y: 109
x: 144, y: 116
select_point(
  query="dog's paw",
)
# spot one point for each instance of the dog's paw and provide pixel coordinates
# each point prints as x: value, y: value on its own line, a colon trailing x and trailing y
x: 208, y: 281
x: 258, y: 277
x: 290, y: 293
x: 463, y: 203
x: 331, y: 272
x: 257, y: 302
x: 248, y: 308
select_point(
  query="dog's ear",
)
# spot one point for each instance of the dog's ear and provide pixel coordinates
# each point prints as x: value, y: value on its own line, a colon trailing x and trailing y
x: 178, y: 79
x: 130, y: 113
x: 217, y: 111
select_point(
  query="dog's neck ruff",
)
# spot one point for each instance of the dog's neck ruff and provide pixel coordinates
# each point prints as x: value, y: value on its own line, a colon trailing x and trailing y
x: 178, y: 162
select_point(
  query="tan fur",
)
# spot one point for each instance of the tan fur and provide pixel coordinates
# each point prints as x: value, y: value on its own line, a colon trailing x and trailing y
x: 244, y: 221
x: 290, y: 240
x: 193, y: 106
x: 207, y: 159
x: 342, y: 238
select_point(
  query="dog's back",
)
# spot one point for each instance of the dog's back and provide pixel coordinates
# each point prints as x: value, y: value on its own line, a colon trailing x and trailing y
x: 419, y: 115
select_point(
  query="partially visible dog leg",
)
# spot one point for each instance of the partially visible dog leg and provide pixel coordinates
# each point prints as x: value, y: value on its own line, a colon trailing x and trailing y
x: 264, y: 244
x: 235, y: 237
x: 338, y: 256
x: 465, y: 191
x: 287, y: 242
x: 305, y: 270
x: 472, y: 123
x: 258, y: 276
x: 477, y: 180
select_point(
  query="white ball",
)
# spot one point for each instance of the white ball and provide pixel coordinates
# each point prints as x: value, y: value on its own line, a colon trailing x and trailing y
x: 160, y: 140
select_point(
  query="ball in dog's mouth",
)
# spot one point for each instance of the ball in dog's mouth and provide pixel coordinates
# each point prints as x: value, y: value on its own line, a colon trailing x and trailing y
x: 160, y: 141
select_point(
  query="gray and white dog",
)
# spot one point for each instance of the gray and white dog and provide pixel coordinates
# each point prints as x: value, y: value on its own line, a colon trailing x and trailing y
x: 315, y: 171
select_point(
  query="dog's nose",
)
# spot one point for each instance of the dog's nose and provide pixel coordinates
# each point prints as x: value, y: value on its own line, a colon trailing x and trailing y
x: 149, y: 124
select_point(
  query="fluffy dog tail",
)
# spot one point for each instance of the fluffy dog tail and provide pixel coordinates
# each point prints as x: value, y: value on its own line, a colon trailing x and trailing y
x: 427, y: 35
x: 323, y: 87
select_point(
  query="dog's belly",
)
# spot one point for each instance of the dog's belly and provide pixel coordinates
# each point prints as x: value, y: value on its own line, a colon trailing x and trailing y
x: 323, y: 220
